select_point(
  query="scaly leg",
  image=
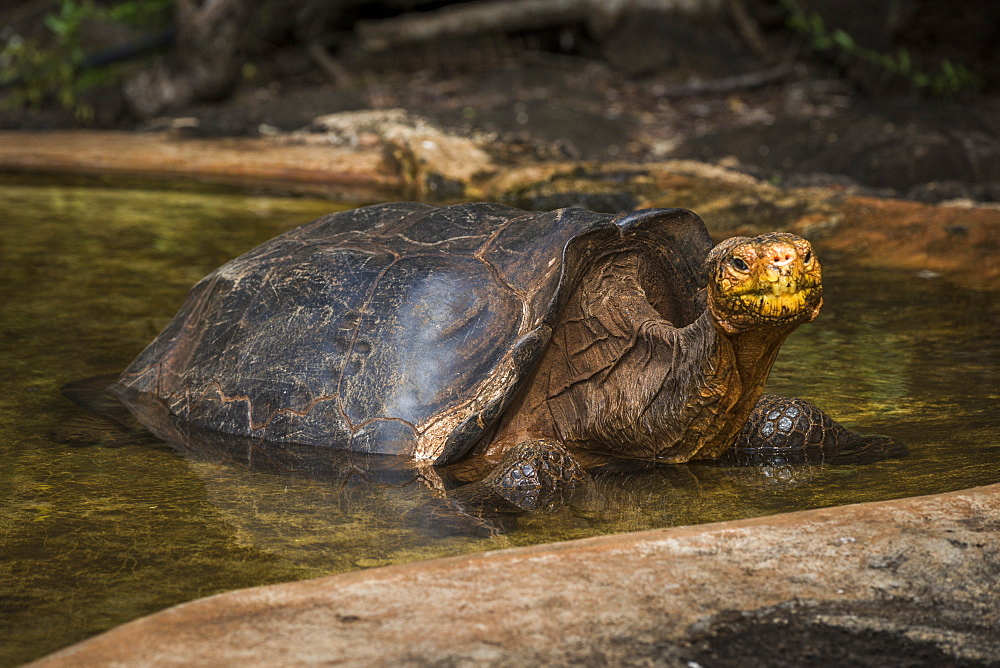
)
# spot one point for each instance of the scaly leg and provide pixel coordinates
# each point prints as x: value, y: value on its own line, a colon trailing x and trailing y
x: 798, y: 431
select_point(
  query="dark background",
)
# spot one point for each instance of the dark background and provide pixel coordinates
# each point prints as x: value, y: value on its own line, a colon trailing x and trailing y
x: 893, y: 97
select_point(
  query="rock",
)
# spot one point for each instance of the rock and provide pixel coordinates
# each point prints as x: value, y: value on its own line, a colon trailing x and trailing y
x: 435, y: 165
x: 891, y: 583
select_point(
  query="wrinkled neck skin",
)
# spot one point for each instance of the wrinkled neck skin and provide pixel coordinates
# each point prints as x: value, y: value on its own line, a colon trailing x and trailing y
x: 618, y: 378
x: 716, y: 401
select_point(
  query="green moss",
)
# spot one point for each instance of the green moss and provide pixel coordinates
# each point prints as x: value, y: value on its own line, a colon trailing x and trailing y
x: 56, y: 70
x: 943, y: 79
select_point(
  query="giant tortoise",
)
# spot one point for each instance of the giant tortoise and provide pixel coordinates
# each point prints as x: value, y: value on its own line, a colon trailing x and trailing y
x: 526, y: 340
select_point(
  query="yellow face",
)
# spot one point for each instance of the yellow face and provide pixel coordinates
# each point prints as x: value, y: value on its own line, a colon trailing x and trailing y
x: 773, y: 280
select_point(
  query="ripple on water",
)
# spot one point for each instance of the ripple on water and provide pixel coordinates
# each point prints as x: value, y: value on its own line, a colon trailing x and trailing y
x: 95, y: 536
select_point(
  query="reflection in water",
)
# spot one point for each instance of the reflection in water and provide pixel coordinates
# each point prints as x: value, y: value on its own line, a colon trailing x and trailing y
x: 93, y: 536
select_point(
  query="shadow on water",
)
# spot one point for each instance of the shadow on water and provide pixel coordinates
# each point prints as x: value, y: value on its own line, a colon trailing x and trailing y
x: 93, y: 536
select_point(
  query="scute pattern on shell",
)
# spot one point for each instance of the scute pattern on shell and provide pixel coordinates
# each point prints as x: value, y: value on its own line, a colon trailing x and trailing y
x: 365, y: 328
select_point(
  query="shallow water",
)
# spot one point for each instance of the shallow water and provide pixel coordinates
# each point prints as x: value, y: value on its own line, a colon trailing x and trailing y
x: 94, y: 536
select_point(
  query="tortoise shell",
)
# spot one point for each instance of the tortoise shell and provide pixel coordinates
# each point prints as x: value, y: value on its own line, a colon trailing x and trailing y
x: 399, y: 328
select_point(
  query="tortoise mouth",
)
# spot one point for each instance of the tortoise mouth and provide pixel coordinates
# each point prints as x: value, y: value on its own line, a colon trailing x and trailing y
x: 786, y: 298
x: 774, y: 305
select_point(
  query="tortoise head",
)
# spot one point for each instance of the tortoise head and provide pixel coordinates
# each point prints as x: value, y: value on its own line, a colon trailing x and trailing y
x: 773, y: 280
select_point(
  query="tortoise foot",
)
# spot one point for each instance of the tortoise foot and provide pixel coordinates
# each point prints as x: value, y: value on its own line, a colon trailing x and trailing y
x: 784, y: 432
x: 793, y: 431
x: 534, y: 474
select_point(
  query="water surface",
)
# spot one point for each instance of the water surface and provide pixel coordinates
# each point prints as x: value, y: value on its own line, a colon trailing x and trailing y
x: 92, y: 536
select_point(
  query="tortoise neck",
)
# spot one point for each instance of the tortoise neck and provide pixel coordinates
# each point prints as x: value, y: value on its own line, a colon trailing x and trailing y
x: 748, y: 354
x: 734, y: 370
x: 678, y: 394
x: 618, y: 377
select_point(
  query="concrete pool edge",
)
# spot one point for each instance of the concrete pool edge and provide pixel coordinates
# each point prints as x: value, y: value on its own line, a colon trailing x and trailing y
x: 920, y: 572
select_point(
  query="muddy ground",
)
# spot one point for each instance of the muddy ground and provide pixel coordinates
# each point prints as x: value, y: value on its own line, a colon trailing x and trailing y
x: 643, y: 92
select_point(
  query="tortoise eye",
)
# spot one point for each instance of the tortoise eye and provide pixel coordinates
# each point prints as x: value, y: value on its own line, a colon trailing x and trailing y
x: 739, y: 264
x: 808, y: 258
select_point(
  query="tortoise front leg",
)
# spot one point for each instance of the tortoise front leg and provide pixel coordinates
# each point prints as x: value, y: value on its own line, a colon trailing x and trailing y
x: 796, y: 429
x: 532, y: 475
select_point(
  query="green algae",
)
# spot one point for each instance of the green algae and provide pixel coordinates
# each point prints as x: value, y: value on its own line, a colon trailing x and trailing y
x: 91, y: 537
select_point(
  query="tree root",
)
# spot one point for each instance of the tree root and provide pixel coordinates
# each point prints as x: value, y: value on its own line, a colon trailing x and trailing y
x: 748, y: 81
x: 513, y: 15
